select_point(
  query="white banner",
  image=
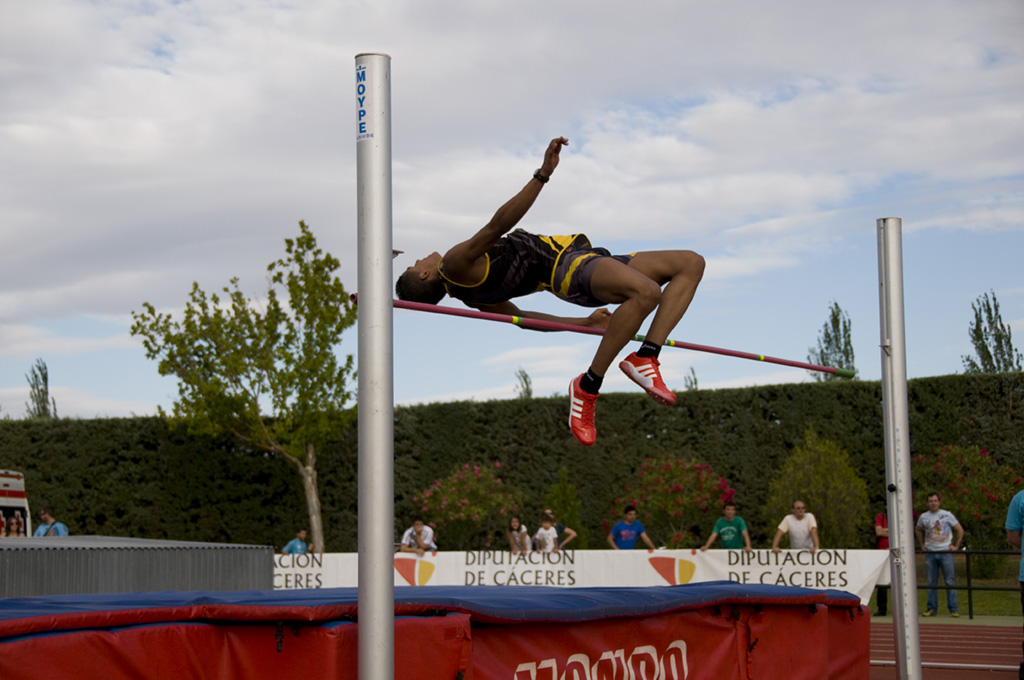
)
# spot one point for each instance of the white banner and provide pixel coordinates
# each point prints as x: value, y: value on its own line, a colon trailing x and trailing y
x: 855, y: 571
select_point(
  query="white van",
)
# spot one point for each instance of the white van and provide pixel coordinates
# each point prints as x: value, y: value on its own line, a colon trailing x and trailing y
x: 14, y: 504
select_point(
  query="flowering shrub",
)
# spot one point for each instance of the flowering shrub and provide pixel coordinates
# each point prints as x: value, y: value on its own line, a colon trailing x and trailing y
x: 673, y: 495
x: 974, y: 487
x: 469, y: 508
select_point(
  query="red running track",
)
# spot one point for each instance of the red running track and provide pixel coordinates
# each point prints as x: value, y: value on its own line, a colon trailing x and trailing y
x: 953, y: 652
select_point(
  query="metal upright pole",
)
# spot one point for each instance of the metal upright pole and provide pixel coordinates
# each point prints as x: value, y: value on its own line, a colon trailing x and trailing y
x: 896, y: 421
x: 376, y: 380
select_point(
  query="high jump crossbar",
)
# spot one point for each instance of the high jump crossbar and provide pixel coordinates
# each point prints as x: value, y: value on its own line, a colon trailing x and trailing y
x: 538, y: 324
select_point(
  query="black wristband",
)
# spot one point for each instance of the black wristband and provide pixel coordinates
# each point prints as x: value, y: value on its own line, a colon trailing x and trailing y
x: 539, y: 177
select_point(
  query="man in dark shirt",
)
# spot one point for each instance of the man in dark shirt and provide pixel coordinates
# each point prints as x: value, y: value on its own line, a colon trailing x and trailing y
x: 489, y: 269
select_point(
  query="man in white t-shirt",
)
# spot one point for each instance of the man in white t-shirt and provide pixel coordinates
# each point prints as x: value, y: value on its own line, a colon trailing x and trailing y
x: 934, y: 531
x: 419, y: 538
x: 801, y: 527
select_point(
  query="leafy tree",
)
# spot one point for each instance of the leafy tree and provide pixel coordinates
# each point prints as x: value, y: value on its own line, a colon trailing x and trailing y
x: 820, y: 473
x: 470, y: 507
x: 690, y: 381
x: 835, y: 345
x: 40, y: 403
x: 524, y: 390
x: 564, y: 499
x: 271, y: 377
x: 992, y: 340
x: 674, y: 497
x: 975, y: 488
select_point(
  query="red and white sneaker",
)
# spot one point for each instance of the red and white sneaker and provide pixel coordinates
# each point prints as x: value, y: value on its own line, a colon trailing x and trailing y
x: 644, y: 372
x: 581, y: 413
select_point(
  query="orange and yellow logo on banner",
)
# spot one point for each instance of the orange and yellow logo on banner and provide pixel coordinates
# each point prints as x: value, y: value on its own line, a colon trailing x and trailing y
x: 415, y: 571
x: 674, y: 570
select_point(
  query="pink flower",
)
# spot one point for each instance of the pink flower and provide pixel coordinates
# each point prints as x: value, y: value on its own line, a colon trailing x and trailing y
x: 497, y: 464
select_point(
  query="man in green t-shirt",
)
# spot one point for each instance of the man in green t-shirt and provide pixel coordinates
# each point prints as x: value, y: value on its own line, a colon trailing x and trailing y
x: 732, y: 529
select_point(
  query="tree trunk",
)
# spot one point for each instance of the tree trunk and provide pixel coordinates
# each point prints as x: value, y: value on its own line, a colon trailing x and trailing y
x: 308, y: 474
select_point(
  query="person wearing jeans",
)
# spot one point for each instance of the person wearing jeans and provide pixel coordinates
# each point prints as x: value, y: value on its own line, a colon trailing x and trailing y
x: 934, y: 531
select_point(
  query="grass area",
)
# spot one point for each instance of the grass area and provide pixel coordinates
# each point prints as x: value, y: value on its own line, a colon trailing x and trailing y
x: 986, y: 602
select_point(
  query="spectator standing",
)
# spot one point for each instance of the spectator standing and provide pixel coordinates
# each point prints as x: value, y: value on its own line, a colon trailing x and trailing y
x: 546, y: 537
x: 296, y: 546
x: 732, y: 529
x: 518, y: 536
x: 419, y: 538
x: 565, y: 534
x: 801, y: 527
x: 626, y: 532
x: 1014, y: 526
x: 50, y: 526
x: 934, y: 530
x: 882, y: 540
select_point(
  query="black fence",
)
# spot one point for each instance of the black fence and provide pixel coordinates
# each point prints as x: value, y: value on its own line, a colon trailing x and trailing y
x: 970, y: 587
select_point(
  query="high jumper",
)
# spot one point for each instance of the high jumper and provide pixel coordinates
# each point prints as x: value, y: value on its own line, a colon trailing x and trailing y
x: 494, y: 266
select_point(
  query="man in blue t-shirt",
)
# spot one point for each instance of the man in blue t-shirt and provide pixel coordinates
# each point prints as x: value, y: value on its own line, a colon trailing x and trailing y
x: 296, y: 546
x: 50, y: 525
x: 1014, y: 526
x: 625, y: 533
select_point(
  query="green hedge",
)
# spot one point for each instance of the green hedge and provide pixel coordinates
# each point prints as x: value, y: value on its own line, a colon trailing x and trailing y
x: 140, y: 477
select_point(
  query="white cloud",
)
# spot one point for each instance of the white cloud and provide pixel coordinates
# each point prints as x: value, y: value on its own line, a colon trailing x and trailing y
x: 20, y: 341
x: 149, y: 145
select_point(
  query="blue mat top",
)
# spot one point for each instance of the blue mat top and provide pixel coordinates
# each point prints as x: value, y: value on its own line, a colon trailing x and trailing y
x: 485, y: 603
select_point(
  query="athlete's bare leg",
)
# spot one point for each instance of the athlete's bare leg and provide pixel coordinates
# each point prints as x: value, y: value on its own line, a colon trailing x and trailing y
x: 682, y: 271
x: 636, y: 288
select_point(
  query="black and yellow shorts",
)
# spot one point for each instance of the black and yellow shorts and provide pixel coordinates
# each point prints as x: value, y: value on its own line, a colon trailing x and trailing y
x: 575, y: 267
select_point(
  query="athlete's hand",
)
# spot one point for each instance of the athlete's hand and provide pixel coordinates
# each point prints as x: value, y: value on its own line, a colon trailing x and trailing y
x: 551, y: 155
x: 598, y: 318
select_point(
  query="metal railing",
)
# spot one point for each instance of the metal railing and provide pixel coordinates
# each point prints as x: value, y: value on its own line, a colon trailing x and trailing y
x: 970, y: 587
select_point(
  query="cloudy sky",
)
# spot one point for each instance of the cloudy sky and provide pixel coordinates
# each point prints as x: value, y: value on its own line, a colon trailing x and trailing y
x: 145, y: 145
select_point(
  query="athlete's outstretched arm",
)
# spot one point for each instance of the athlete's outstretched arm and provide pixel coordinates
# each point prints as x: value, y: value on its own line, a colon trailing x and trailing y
x: 461, y: 259
x: 597, y: 319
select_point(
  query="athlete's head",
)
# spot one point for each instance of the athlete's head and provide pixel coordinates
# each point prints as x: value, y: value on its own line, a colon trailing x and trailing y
x: 421, y: 282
